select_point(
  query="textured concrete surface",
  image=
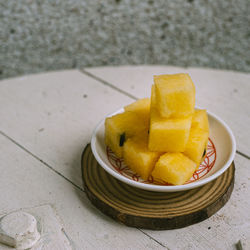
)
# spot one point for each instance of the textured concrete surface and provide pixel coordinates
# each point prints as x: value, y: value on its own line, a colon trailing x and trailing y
x: 45, y: 35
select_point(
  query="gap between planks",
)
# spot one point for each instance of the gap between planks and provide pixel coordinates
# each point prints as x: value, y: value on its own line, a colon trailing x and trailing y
x: 64, y: 177
x: 243, y: 155
x: 97, y: 78
x: 153, y: 239
x: 107, y: 84
x: 43, y: 162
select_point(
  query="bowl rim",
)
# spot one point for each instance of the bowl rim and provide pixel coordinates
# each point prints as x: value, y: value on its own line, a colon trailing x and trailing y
x: 163, y: 188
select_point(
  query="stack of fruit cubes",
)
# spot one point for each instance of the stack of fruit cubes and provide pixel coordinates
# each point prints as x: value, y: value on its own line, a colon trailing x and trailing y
x: 163, y: 137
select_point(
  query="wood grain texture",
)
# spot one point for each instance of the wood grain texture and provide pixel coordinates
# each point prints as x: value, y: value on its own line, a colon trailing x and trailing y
x: 153, y: 210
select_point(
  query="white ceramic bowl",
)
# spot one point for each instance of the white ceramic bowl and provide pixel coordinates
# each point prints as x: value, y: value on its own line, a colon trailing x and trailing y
x: 222, y: 148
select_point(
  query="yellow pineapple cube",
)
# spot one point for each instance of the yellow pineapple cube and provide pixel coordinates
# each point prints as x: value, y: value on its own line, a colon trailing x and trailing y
x: 200, y: 119
x: 168, y: 135
x: 173, y: 168
x: 137, y: 156
x: 141, y: 107
x: 196, y: 145
x: 153, y: 104
x: 120, y: 127
x: 175, y: 95
x: 198, y: 138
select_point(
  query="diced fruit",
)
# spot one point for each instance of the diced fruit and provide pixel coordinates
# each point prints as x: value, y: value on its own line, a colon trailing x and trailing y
x: 141, y: 108
x: 163, y: 136
x: 175, y: 95
x: 137, y: 156
x: 168, y: 135
x: 196, y: 145
x: 153, y: 98
x: 200, y: 119
x: 173, y: 168
x: 198, y: 138
x: 120, y: 127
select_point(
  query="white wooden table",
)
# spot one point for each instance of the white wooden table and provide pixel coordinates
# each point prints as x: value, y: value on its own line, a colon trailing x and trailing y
x: 46, y: 120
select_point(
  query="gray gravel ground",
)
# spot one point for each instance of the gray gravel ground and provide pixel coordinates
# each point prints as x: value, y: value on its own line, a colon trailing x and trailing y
x: 44, y: 35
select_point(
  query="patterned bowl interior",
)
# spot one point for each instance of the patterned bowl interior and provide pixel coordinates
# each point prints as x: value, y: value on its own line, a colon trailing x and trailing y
x: 205, y: 167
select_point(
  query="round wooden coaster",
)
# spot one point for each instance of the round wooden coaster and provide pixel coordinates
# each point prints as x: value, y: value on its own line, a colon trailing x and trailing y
x: 153, y: 210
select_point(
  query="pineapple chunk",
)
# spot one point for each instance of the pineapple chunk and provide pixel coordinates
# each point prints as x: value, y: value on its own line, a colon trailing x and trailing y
x: 196, y: 145
x: 175, y: 95
x: 141, y: 108
x: 173, y: 168
x: 198, y: 138
x: 120, y: 127
x: 200, y: 119
x: 168, y: 135
x: 137, y: 156
x: 153, y: 98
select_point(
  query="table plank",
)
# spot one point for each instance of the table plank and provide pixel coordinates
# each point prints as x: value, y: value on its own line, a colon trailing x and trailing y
x: 53, y: 115
x: 25, y: 182
x: 224, y: 93
x: 224, y: 229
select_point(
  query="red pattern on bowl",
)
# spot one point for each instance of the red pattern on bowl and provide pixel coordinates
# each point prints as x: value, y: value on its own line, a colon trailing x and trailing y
x: 204, y: 168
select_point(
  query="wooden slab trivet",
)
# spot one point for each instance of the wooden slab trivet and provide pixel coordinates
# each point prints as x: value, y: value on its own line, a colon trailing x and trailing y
x: 153, y: 210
